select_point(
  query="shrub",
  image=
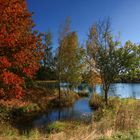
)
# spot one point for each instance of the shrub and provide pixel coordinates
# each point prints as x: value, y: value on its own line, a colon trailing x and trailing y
x: 96, y: 101
x: 113, y: 102
x: 24, y: 110
x: 67, y: 98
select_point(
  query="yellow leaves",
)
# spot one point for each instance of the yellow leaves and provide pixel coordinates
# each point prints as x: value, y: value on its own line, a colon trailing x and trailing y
x: 93, y: 78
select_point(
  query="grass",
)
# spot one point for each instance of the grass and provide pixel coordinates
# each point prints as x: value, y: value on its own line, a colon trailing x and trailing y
x: 81, y: 132
x: 96, y: 101
x: 36, y: 101
x: 118, y: 121
x: 48, y: 98
x: 56, y: 127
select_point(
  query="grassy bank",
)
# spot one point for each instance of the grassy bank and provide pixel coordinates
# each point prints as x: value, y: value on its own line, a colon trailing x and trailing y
x: 119, y: 121
x: 35, y: 101
x: 48, y: 98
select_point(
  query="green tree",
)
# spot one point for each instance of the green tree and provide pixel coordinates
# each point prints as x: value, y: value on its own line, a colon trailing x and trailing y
x: 109, y: 58
x: 70, y: 59
x: 47, y: 69
x: 131, y: 72
x: 69, y: 56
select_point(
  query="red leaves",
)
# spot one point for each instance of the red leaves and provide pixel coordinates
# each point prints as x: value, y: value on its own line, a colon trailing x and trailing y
x: 10, y: 78
x: 18, y: 91
x: 18, y: 47
x: 4, y: 63
x: 1, y: 92
x: 14, y: 83
x: 31, y: 70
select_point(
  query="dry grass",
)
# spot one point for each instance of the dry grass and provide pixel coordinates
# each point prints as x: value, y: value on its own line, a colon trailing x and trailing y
x: 119, y: 121
x: 96, y: 101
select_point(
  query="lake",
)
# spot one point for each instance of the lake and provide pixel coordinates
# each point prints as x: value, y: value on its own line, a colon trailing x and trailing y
x: 124, y: 90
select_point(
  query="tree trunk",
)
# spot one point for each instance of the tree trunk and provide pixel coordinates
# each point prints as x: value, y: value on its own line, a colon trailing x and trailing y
x: 94, y: 88
x: 106, y: 97
x: 59, y: 90
x: 106, y: 88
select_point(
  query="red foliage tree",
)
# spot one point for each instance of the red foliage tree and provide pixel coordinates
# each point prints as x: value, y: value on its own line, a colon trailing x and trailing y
x: 19, y: 57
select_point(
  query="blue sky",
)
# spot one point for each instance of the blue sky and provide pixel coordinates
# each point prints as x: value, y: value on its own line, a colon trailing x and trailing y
x: 124, y: 14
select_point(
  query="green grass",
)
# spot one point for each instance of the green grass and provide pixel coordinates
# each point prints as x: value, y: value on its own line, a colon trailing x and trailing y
x: 131, y: 135
x: 56, y: 127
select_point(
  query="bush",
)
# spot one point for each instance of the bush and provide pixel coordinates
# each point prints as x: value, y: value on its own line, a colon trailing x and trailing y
x: 23, y: 111
x: 96, y: 101
x: 113, y: 102
x: 123, y: 117
x: 67, y: 98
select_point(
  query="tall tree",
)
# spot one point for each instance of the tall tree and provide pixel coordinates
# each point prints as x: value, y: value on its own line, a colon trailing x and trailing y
x: 70, y: 59
x: 18, y: 47
x: 47, y: 69
x: 69, y: 56
x: 91, y: 75
x: 48, y: 49
x: 108, y: 58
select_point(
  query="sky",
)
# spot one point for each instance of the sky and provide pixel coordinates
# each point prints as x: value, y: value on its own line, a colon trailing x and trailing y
x: 124, y: 15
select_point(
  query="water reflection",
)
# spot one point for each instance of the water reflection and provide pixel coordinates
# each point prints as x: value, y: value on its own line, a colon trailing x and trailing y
x: 80, y: 110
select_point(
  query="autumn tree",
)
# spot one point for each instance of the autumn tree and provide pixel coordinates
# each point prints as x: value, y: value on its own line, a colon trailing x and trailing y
x: 18, y: 48
x: 90, y: 75
x: 70, y: 62
x: 109, y: 57
x: 69, y: 56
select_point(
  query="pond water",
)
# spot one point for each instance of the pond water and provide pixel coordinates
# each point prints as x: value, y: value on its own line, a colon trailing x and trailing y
x: 81, y: 109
